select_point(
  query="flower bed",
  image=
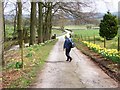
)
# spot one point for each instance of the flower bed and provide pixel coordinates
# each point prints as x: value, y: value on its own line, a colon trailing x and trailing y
x: 111, y: 54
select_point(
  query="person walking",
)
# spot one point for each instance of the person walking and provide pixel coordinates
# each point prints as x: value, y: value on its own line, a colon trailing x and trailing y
x: 67, y: 47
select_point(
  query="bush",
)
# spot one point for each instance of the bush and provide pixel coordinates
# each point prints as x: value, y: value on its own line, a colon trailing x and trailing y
x: 108, y: 26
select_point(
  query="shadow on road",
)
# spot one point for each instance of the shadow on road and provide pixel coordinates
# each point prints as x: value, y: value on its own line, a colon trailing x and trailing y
x: 55, y: 61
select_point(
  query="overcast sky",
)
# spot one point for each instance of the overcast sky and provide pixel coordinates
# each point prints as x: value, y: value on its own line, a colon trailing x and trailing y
x: 100, y: 6
x: 105, y: 5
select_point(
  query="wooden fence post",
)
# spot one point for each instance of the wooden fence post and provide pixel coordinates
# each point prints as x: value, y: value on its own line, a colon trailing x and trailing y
x: 94, y: 39
x: 118, y: 43
x: 81, y: 38
x: 119, y: 36
x: 89, y: 39
x: 104, y: 42
x: 85, y: 38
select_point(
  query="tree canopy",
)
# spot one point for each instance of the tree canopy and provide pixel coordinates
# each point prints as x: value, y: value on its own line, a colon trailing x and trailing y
x: 108, y: 26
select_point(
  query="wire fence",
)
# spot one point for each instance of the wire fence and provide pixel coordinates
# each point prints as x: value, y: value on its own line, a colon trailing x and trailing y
x: 109, y: 44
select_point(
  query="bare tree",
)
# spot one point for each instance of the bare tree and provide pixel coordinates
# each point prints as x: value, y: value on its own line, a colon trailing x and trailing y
x: 40, y: 23
x: 50, y: 4
x: 15, y: 22
x: 75, y: 10
x: 4, y: 6
x: 1, y: 34
x: 32, y: 23
x: 46, y: 11
x: 19, y: 23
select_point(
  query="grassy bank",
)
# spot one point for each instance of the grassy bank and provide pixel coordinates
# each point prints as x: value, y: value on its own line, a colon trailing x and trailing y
x: 88, y: 35
x: 34, y: 57
x: 109, y: 66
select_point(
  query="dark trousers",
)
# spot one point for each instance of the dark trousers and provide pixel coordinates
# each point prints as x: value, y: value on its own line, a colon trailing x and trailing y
x: 68, y: 53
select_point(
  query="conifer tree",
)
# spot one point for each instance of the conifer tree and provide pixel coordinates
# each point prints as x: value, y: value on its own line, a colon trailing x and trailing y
x: 108, y: 26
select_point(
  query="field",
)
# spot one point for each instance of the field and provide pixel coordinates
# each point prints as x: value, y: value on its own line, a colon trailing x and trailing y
x: 10, y: 30
x: 91, y: 39
x: 57, y: 32
x: 75, y: 27
x: 79, y: 30
x: 9, y: 35
x: 88, y: 35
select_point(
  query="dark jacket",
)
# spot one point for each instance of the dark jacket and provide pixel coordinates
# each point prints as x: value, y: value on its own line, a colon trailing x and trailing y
x: 67, y: 43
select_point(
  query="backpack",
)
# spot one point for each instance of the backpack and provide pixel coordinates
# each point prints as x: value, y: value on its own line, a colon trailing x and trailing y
x: 72, y: 44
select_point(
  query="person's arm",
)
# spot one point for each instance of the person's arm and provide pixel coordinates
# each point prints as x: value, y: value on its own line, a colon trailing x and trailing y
x: 64, y: 45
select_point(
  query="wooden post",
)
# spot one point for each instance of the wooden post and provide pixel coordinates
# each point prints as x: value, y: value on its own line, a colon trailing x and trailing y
x: 119, y: 38
x: 85, y: 38
x: 118, y: 43
x: 94, y: 39
x: 119, y: 32
x: 119, y: 26
x: 89, y: 38
x: 81, y: 38
x: 22, y: 59
x: 1, y: 35
x: 104, y: 42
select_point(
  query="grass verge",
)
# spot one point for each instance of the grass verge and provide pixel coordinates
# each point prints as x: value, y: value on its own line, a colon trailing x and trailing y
x: 109, y: 67
x: 34, y: 57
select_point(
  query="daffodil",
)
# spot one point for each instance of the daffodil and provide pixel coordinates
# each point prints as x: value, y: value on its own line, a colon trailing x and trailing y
x: 111, y: 54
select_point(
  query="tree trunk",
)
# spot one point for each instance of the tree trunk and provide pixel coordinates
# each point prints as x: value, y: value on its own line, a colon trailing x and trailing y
x: 1, y: 34
x: 3, y: 22
x: 32, y: 23
x: 19, y: 23
x: 50, y: 19
x: 46, y: 23
x: 40, y: 25
x: 43, y: 33
x: 19, y: 28
x: 14, y: 34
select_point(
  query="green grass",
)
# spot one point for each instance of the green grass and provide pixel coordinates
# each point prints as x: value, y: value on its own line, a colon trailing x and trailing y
x: 56, y: 27
x: 80, y: 30
x: 91, y: 32
x: 57, y: 32
x: 9, y: 31
x: 89, y: 35
x: 75, y: 27
x: 34, y: 59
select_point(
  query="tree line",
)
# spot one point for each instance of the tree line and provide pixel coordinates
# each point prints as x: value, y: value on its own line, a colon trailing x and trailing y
x: 41, y: 15
x: 43, y: 24
x: 48, y: 11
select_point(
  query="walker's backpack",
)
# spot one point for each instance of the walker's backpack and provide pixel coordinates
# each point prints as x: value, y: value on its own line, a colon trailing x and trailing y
x: 72, y: 44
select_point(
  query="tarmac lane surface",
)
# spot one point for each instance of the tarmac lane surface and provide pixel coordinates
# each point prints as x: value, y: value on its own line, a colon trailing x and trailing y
x: 81, y: 72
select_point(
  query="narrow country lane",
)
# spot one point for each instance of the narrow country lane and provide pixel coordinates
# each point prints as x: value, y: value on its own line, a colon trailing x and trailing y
x: 80, y: 73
